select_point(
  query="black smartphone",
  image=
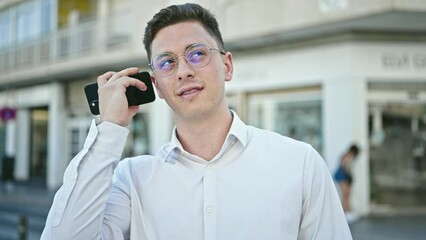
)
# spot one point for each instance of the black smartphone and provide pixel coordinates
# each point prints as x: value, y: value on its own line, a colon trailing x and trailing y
x: 133, y: 94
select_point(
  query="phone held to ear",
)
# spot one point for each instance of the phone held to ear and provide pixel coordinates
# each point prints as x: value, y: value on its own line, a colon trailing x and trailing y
x: 133, y: 94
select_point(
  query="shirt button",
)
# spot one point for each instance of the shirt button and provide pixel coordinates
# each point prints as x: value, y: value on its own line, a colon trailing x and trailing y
x: 209, y: 166
x: 209, y: 210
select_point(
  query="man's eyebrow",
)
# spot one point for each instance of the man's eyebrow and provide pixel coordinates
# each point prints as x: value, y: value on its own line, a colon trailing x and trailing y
x: 164, y: 53
x: 191, y: 45
x: 186, y: 48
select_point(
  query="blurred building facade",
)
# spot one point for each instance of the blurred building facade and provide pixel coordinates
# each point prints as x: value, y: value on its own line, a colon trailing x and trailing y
x: 328, y: 72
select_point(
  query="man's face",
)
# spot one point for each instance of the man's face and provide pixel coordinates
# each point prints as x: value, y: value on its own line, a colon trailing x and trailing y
x: 191, y: 92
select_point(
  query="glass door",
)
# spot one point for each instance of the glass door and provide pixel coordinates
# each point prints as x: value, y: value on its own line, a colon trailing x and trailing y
x: 39, y: 135
x: 397, y: 131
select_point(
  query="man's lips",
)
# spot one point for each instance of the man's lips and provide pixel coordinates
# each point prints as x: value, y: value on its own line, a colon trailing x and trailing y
x: 189, y: 91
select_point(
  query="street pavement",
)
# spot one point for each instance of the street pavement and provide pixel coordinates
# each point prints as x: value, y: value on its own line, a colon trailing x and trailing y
x: 23, y: 206
x: 33, y: 201
x: 409, y: 225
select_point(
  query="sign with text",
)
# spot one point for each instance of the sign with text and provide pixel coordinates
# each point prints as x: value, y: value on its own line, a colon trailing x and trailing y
x: 404, y: 61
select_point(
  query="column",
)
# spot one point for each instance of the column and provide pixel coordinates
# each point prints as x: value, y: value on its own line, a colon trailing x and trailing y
x: 345, y: 111
x: 22, y: 142
x: 56, y: 159
x: 102, y: 30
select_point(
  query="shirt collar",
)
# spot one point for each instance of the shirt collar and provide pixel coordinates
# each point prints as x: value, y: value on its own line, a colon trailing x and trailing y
x: 237, y: 131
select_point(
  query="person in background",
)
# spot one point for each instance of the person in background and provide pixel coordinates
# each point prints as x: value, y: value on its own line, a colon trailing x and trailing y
x: 217, y: 178
x: 343, y: 176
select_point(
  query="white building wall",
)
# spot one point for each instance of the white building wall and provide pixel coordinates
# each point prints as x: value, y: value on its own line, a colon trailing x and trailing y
x: 391, y: 61
x: 283, y: 67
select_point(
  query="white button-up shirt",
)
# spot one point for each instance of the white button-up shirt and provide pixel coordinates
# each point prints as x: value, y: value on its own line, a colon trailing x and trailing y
x: 261, y: 185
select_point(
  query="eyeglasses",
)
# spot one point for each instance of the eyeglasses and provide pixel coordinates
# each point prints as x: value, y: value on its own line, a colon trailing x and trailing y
x: 197, y: 55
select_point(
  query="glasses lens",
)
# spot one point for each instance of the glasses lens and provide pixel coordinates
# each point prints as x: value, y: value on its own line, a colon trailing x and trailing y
x: 198, y: 55
x: 164, y: 64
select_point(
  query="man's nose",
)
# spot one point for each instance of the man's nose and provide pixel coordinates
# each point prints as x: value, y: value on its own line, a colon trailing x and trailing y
x: 184, y: 68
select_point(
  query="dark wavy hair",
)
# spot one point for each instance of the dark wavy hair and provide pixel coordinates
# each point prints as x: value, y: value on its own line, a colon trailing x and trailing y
x: 181, y: 13
x: 354, y: 149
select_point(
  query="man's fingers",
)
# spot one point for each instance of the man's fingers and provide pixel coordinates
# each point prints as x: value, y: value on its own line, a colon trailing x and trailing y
x: 124, y: 73
x: 122, y: 78
x: 128, y: 81
x: 103, y: 79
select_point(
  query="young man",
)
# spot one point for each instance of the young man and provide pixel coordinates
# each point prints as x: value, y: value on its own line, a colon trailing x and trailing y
x: 216, y: 179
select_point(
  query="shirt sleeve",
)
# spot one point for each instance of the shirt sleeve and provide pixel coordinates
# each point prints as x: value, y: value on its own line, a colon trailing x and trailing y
x: 322, y: 213
x: 78, y: 209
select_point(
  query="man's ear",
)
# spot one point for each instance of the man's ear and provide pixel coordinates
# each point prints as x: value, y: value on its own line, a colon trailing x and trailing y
x: 155, y: 83
x: 229, y: 66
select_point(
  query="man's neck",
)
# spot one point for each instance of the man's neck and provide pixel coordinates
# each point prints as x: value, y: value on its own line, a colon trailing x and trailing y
x: 205, y: 137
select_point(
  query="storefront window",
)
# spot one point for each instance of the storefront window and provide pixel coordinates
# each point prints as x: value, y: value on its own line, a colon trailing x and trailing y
x: 296, y: 115
x: 301, y: 121
x: 398, y: 153
x: 138, y: 141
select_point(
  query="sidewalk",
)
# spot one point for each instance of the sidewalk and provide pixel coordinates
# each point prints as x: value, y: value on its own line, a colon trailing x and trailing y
x: 23, y: 205
x: 26, y: 193
x: 406, y: 224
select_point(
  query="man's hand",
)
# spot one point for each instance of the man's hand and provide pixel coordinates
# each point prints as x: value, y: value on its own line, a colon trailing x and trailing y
x: 113, y: 105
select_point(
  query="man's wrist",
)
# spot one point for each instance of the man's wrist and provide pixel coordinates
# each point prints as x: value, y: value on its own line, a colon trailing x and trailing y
x: 111, y: 138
